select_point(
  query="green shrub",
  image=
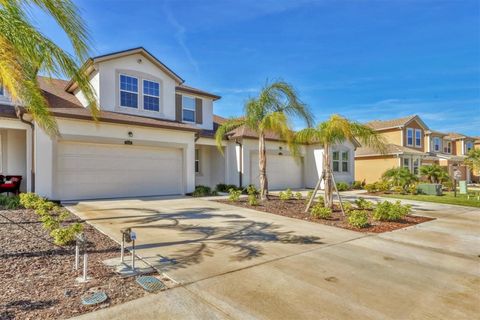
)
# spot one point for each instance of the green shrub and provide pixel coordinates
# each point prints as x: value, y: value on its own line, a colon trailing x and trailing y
x: 286, y: 195
x: 252, y: 200
x: 221, y: 187
x: 347, y: 207
x: 448, y: 185
x: 398, y: 189
x: 383, y: 186
x: 343, y: 186
x: 388, y: 211
x: 358, y: 185
x: 234, y: 194
x: 371, y: 187
x: 44, y: 206
x: 66, y: 235
x: 252, y: 190
x: 298, y: 195
x: 202, y: 191
x: 319, y: 211
x: 49, y: 222
x: 364, y: 204
x: 29, y: 200
x: 10, y: 202
x: 358, y: 218
x: 412, y: 189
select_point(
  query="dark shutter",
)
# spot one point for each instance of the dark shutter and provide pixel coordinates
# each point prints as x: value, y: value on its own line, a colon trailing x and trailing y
x: 198, y: 111
x: 178, y: 107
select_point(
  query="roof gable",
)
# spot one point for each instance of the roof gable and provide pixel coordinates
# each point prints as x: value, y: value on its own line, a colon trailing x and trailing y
x: 396, y: 123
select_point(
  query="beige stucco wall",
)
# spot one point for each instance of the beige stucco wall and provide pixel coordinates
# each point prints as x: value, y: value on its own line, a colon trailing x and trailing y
x: 393, y: 136
x: 371, y: 169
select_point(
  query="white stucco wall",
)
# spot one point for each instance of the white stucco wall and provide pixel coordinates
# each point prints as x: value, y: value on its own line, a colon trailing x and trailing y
x: 212, y: 166
x: 15, y: 149
x: 88, y: 131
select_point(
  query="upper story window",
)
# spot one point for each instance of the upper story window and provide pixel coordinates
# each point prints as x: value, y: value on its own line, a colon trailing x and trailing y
x: 340, y: 161
x: 409, y: 137
x: 128, y: 91
x: 418, y: 138
x: 447, y: 147
x: 151, y: 95
x: 437, y: 144
x: 468, y: 146
x: 188, y: 109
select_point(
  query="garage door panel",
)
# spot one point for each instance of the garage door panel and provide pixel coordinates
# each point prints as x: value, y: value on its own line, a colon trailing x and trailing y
x: 87, y: 171
x: 282, y: 172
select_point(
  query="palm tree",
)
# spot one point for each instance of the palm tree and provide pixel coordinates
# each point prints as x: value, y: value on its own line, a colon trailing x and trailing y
x: 337, y: 130
x: 431, y: 172
x: 25, y: 51
x: 400, y: 177
x: 271, y: 111
x: 473, y: 160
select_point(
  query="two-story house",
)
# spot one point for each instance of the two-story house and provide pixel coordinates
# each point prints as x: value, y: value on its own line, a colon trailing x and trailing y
x: 405, y: 148
x: 411, y: 144
x: 154, y: 136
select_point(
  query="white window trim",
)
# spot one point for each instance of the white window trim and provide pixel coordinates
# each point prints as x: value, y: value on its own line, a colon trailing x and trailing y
x: 340, y: 161
x: 120, y: 90
x: 446, y: 149
x: 413, y: 137
x: 417, y: 160
x: 149, y: 95
x: 408, y: 165
x: 466, y: 146
x: 194, y: 109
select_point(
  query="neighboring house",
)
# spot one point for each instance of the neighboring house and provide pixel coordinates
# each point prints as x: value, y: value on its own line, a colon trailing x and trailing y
x: 411, y: 144
x: 154, y: 136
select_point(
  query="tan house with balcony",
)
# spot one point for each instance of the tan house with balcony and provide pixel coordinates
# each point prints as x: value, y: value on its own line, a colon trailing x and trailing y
x: 411, y: 144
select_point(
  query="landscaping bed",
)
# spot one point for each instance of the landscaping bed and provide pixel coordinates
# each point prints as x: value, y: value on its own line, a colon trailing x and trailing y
x: 295, y: 208
x: 38, y: 278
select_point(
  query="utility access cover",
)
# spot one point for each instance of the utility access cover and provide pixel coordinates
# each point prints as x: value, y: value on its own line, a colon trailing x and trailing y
x: 95, y: 298
x: 151, y: 284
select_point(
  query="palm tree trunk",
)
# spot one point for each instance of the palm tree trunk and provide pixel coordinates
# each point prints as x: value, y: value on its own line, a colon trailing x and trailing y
x: 262, y: 165
x: 328, y: 199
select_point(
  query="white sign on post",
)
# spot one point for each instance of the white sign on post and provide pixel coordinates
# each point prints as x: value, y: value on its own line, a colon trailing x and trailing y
x: 133, y: 236
x: 318, y: 154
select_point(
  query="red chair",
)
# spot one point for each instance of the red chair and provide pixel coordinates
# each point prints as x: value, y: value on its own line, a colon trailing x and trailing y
x: 13, y: 185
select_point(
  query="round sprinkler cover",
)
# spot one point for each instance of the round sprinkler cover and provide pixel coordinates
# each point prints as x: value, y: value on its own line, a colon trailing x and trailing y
x: 151, y: 284
x: 95, y: 298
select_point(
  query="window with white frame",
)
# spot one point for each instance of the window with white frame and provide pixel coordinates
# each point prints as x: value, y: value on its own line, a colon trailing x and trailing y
x: 128, y: 91
x: 437, y: 144
x: 340, y: 161
x: 448, y: 147
x: 188, y: 109
x: 406, y: 163
x: 416, y: 165
x: 409, y: 137
x: 151, y: 95
x: 468, y: 146
x: 418, y: 138
x: 197, y: 161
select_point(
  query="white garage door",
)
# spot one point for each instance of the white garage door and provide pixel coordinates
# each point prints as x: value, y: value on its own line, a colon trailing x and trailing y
x: 282, y: 172
x: 89, y: 171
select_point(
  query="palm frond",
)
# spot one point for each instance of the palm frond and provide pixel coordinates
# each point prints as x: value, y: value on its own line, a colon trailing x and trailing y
x: 225, y: 128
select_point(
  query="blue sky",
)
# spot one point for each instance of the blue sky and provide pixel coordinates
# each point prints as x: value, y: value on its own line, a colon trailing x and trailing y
x: 363, y: 59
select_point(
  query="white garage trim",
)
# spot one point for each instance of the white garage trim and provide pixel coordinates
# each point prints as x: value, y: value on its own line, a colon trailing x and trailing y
x: 85, y: 170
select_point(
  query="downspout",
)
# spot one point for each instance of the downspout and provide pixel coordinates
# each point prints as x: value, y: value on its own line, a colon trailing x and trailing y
x: 240, y: 163
x: 19, y: 112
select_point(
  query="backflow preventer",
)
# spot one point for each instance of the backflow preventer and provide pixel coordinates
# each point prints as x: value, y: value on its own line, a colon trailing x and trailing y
x: 128, y: 236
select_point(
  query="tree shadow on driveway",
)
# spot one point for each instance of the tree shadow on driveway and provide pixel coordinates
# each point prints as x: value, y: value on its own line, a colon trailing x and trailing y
x: 242, y: 237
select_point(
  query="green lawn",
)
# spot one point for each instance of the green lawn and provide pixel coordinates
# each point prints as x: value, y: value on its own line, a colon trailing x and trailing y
x: 447, y: 198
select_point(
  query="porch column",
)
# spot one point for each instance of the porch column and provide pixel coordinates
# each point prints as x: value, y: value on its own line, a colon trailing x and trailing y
x: 29, y: 157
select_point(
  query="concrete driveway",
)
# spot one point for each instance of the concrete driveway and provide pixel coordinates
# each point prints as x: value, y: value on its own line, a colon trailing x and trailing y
x: 234, y: 263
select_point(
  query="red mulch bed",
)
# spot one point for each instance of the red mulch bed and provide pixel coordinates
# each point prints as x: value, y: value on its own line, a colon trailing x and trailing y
x: 38, y: 279
x: 295, y: 209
